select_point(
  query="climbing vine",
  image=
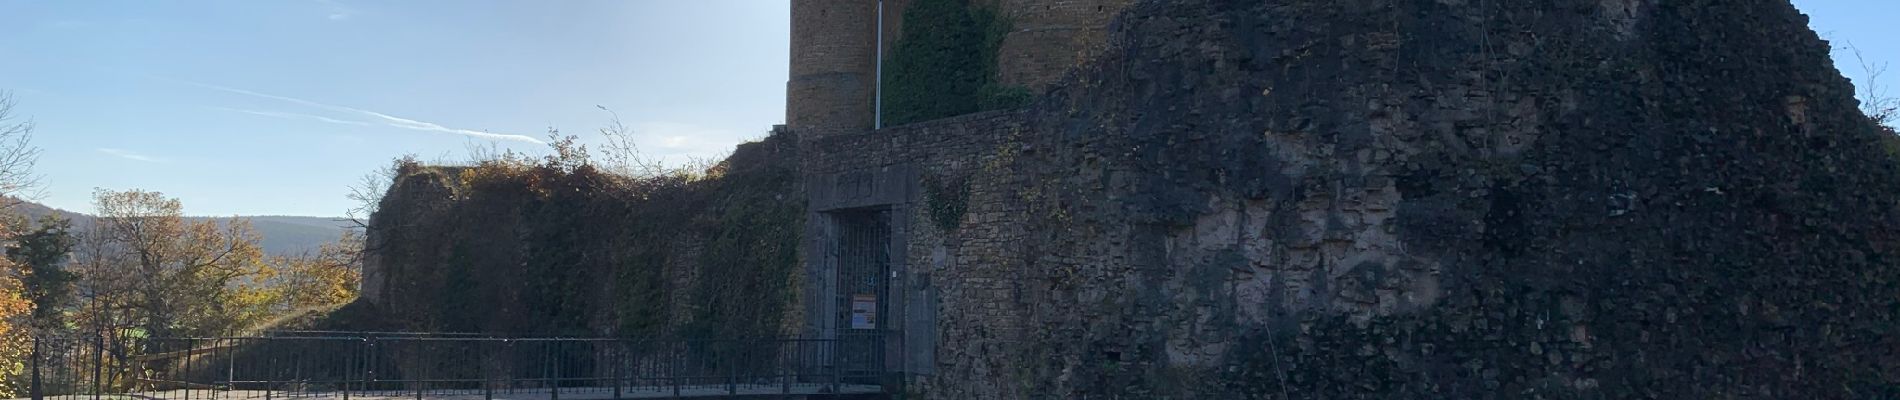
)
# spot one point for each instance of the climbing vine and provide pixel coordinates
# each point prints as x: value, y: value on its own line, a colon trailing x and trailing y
x: 944, y: 65
x: 557, y: 247
x: 948, y: 199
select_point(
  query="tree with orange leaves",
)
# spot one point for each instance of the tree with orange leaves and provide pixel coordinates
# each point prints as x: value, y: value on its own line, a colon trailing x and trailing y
x: 17, y: 156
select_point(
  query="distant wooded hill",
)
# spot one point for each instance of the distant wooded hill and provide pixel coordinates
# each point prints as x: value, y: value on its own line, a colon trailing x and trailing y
x: 279, y: 235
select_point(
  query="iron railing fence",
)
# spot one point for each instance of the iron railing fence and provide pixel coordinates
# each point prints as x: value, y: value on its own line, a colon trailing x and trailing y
x: 418, y: 366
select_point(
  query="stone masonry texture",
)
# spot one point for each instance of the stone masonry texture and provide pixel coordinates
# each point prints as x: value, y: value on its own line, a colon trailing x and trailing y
x: 833, y: 66
x: 1412, y: 199
x: 1048, y: 38
x: 834, y: 42
x: 1338, y: 199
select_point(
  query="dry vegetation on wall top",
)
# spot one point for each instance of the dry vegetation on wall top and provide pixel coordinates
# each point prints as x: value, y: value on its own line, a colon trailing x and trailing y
x: 558, y: 247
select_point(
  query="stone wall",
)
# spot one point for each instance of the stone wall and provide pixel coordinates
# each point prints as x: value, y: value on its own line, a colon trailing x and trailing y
x: 894, y: 168
x: 1310, y: 199
x: 1050, y: 37
x: 949, y: 143
x: 533, y: 249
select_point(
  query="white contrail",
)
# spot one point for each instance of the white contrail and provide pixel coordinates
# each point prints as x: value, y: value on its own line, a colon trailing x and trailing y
x: 130, y: 155
x: 389, y: 120
x: 291, y: 115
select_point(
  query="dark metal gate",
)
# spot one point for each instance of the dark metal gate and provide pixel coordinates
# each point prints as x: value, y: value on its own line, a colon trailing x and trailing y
x: 864, y: 267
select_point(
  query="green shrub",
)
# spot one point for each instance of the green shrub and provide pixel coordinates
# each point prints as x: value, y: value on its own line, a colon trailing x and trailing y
x: 998, y: 96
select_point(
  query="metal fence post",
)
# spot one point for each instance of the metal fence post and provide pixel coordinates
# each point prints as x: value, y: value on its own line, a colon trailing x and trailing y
x: 184, y: 372
x: 837, y: 363
x: 38, y: 393
x: 614, y: 358
x: 270, y: 369
x: 674, y: 362
x: 230, y: 366
x: 732, y: 368
x: 369, y: 363
x: 349, y: 366
x: 488, y: 383
x: 512, y: 380
x: 554, y: 382
x: 98, y: 361
x: 415, y: 372
x: 785, y: 355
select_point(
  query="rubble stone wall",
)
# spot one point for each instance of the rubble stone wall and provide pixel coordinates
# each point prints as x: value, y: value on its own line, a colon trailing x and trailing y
x: 1435, y: 199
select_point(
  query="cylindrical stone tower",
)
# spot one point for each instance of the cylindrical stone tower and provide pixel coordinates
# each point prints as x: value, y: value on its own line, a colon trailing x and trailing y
x: 834, y: 58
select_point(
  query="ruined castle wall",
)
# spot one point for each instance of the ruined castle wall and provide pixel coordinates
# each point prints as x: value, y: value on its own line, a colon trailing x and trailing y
x: 1300, y: 199
x: 534, y: 250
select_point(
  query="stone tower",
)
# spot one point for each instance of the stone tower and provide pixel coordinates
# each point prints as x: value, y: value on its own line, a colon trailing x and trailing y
x: 834, y: 53
x: 833, y: 71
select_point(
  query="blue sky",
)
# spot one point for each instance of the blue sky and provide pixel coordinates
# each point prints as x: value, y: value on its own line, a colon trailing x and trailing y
x: 277, y: 107
x: 1869, y: 25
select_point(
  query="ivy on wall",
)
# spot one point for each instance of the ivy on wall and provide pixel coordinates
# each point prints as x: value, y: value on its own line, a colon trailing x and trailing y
x: 545, y: 248
x: 944, y: 65
x: 948, y: 199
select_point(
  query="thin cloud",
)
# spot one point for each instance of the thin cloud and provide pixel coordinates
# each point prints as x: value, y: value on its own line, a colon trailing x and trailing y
x: 674, y: 138
x: 406, y: 123
x: 337, y: 11
x: 387, y: 120
x: 68, y: 24
x: 289, y: 115
x: 130, y: 155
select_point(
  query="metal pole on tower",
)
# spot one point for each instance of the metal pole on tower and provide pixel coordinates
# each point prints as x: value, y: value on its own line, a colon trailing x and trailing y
x: 878, y: 111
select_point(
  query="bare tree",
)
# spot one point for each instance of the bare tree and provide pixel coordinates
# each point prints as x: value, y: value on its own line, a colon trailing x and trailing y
x: 100, y: 285
x: 1879, y: 105
x: 17, y: 155
x: 368, y: 192
x: 368, y: 195
x: 620, y: 153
